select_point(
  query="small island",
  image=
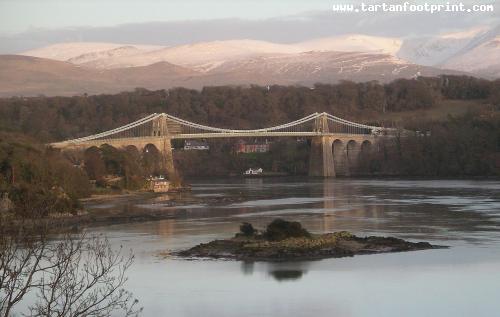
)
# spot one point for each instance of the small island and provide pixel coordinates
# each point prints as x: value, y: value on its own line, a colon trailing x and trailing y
x: 288, y: 241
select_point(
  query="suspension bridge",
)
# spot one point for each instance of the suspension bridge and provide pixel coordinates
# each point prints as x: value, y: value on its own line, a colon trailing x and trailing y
x: 336, y: 143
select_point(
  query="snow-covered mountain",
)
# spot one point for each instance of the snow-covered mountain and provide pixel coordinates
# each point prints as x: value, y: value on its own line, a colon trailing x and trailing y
x: 205, y: 55
x: 489, y: 55
x: 28, y: 76
x: 199, y: 56
x: 73, y: 50
x: 480, y: 56
x: 473, y: 50
x: 354, y: 57
x: 476, y: 50
x: 117, y: 52
x: 313, y: 67
x: 353, y: 43
x: 431, y: 51
x: 69, y: 68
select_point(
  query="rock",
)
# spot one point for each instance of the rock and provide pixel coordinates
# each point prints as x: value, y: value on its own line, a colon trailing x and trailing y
x: 288, y: 241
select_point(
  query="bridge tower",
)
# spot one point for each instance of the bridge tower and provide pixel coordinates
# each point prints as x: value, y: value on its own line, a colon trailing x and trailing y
x: 321, y: 155
x: 159, y: 129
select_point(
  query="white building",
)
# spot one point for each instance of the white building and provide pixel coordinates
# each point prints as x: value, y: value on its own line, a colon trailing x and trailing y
x: 254, y: 171
x: 196, y: 145
x: 159, y: 184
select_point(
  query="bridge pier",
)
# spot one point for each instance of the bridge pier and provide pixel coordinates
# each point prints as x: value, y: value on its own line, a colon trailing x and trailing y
x: 165, y: 148
x: 321, y: 157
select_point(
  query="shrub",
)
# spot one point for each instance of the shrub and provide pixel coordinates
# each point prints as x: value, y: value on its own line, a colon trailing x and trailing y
x: 247, y: 229
x: 35, y: 201
x: 280, y: 229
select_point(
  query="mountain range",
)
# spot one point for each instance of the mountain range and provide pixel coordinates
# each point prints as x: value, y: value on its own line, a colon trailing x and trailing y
x: 476, y: 51
x: 84, y: 67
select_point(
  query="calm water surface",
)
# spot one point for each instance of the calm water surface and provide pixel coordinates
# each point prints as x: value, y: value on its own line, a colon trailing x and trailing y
x: 461, y: 281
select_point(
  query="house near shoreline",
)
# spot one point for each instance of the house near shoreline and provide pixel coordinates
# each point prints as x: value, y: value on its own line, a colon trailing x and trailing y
x: 196, y: 145
x: 6, y: 204
x: 159, y: 184
x: 243, y: 146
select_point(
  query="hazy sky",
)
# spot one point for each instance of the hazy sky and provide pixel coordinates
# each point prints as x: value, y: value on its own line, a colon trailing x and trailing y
x: 19, y: 15
x: 27, y: 24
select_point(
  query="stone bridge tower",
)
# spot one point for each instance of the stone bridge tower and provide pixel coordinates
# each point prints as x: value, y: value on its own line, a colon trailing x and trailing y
x: 335, y: 153
x: 163, y: 142
x: 321, y: 155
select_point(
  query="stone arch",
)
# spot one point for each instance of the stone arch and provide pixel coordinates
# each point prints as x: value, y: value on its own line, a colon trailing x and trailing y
x: 365, y: 156
x: 152, y: 159
x: 337, y: 147
x: 150, y: 147
x: 93, y: 163
x: 352, y: 148
x: 131, y: 148
x: 352, y: 153
x: 134, y: 156
x: 339, y: 157
x: 91, y: 148
x: 366, y: 147
x: 112, y: 158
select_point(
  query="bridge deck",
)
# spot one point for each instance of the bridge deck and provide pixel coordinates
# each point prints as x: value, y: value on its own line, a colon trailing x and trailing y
x: 153, y: 139
x: 157, y: 127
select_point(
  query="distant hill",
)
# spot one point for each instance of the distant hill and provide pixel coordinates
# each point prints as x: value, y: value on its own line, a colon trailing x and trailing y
x: 120, y: 68
x: 201, y: 55
x: 29, y: 76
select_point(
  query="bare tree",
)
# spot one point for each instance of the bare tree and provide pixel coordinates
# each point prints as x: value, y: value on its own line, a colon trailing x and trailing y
x: 70, y: 277
x: 19, y: 263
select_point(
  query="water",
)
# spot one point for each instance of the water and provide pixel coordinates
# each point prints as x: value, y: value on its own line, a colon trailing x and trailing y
x: 463, y: 280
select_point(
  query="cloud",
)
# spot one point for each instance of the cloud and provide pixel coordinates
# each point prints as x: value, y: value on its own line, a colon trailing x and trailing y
x: 281, y: 29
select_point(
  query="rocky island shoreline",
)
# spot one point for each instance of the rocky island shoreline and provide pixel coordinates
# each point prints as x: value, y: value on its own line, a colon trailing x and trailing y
x: 289, y: 241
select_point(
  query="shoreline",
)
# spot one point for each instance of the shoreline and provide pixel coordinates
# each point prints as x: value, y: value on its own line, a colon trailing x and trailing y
x: 75, y: 223
x: 92, y: 217
x: 60, y: 223
x: 360, y: 177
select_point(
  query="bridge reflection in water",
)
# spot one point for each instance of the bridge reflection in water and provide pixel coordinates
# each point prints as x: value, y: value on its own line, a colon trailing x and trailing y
x: 336, y: 144
x: 345, y: 206
x: 324, y: 206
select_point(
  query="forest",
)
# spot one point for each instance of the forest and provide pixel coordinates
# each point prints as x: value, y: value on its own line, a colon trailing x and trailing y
x: 58, y: 118
x: 38, y: 180
x: 459, y: 145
